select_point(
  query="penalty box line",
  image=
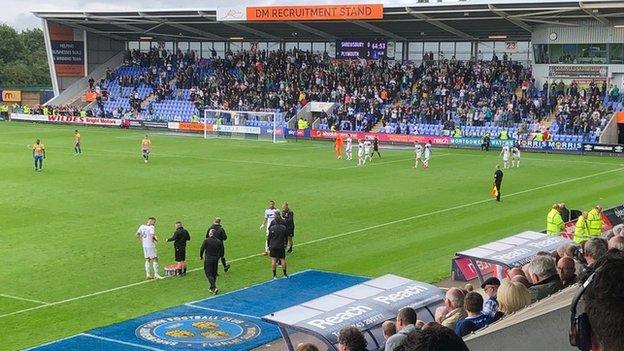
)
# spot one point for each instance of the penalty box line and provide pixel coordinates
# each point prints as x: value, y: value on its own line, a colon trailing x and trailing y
x: 406, y: 219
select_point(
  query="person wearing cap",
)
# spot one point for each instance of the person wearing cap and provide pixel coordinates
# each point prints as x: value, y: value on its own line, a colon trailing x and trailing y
x: 594, y: 221
x: 490, y: 288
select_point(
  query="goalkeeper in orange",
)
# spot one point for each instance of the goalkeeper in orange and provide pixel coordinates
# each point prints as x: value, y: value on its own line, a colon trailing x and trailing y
x: 338, y: 146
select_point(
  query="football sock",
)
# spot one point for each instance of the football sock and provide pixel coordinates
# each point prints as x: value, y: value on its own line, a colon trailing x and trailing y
x: 155, y: 265
x: 147, y: 268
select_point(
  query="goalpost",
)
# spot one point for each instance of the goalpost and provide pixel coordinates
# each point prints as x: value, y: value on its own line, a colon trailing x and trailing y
x: 260, y: 125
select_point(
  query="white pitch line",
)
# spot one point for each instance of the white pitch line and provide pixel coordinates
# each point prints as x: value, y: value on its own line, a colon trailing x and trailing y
x: 23, y: 299
x: 448, y: 209
x: 120, y: 342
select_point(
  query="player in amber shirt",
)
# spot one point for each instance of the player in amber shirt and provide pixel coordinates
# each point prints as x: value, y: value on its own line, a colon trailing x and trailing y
x: 38, y: 155
x: 77, y: 149
x: 146, y: 144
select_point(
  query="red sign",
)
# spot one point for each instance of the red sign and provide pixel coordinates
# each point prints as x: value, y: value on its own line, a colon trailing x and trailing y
x: 464, y: 269
x: 394, y: 138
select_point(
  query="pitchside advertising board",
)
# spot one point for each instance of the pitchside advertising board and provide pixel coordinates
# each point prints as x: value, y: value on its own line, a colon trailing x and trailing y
x: 57, y: 119
x: 604, y: 148
x: 476, y: 142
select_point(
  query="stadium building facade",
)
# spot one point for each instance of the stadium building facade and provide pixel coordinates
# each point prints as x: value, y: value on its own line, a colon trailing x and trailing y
x: 563, y: 40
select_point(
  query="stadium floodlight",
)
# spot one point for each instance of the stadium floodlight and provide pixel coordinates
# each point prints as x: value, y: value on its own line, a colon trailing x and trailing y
x: 263, y: 125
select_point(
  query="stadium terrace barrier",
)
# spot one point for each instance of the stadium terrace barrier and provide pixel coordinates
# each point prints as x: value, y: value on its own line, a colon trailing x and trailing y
x: 57, y: 119
x: 603, y: 148
x: 365, y: 306
x: 514, y: 251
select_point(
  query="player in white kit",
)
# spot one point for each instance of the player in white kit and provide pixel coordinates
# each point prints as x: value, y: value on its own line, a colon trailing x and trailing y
x: 269, y: 216
x: 147, y: 235
x: 367, y: 150
x: 506, y: 153
x: 349, y: 148
x: 427, y: 154
x: 361, y: 159
x: 418, y: 149
x: 515, y: 156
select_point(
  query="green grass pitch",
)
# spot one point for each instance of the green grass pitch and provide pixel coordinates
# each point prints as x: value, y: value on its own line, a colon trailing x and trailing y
x: 67, y: 234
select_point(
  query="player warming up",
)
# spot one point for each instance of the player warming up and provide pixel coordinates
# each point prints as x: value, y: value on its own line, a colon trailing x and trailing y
x: 361, y: 159
x: 269, y: 216
x: 375, y: 147
x: 427, y: 154
x: 147, y: 235
x: 39, y: 154
x: 349, y: 148
x: 505, y: 152
x: 77, y: 149
x: 146, y: 145
x: 338, y: 146
x: 367, y: 151
x: 515, y: 156
x: 418, y: 150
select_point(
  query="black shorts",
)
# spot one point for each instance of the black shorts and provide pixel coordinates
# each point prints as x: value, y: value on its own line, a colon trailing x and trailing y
x: 180, y: 254
x: 277, y: 253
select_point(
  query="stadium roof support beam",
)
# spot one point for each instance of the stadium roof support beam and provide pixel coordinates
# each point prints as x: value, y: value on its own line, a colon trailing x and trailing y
x: 504, y: 15
x: 201, y: 33
x: 440, y: 25
x: 253, y: 31
x: 594, y: 14
x: 99, y: 32
x: 378, y: 30
x: 311, y: 30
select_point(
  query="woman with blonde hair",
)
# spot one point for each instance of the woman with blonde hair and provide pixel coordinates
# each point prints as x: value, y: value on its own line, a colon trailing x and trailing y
x: 512, y: 297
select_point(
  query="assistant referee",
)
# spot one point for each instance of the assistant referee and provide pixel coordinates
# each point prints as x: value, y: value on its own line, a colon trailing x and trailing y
x: 498, y: 181
x: 179, y: 238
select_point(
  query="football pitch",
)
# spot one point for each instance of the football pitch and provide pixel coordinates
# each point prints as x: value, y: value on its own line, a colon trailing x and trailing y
x: 70, y: 260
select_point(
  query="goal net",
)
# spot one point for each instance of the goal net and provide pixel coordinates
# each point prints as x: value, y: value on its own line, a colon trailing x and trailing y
x: 267, y: 126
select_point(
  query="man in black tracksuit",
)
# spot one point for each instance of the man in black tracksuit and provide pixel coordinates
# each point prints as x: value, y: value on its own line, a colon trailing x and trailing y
x: 179, y: 238
x: 211, y: 251
x: 289, y: 222
x: 498, y: 181
x: 221, y: 235
x: 277, y: 244
x: 375, y: 148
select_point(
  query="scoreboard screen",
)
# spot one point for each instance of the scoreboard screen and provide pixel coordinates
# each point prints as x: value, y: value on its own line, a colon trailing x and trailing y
x: 361, y: 49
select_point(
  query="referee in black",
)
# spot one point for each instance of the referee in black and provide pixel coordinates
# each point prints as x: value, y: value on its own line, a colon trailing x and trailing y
x: 375, y: 148
x: 498, y: 181
x: 221, y: 235
x: 211, y: 251
x: 277, y: 244
x: 179, y: 238
x: 289, y: 222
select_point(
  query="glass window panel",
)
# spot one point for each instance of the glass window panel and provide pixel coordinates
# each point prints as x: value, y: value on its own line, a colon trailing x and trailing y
x: 169, y: 46
x: 235, y: 46
x: 318, y: 47
x: 616, y: 53
x: 485, y: 50
x: 540, y: 52
x: 447, y: 50
x: 219, y: 47
x: 133, y: 45
x: 463, y: 49
x: 398, y: 51
x: 206, y: 46
x: 305, y: 46
x: 415, y: 51
x: 592, y: 53
x: 183, y: 46
x: 331, y: 49
x: 273, y: 46
x: 432, y: 47
x: 195, y: 46
x: 290, y: 46
x: 144, y: 46
x: 563, y: 53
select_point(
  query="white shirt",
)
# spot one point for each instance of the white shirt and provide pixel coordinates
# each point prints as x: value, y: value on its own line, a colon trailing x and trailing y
x: 505, y: 152
x: 427, y: 150
x: 360, y: 149
x: 348, y: 144
x: 418, y: 149
x: 146, y: 233
x: 515, y: 151
x: 367, y: 146
x: 269, y: 215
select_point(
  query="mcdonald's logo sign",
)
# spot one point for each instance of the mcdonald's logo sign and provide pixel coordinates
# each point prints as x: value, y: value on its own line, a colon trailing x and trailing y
x: 11, y: 95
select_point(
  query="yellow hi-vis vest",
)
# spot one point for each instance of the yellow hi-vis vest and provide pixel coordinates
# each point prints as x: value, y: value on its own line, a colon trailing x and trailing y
x: 554, y: 223
x: 504, y: 135
x: 581, y: 230
x: 457, y: 133
x: 594, y: 223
